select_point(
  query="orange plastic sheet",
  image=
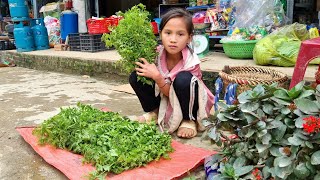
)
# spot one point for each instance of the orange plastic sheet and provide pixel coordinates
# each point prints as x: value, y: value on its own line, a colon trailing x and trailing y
x: 184, y: 159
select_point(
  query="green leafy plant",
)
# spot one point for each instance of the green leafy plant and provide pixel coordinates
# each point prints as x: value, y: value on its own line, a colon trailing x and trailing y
x: 277, y: 134
x: 133, y: 38
x: 109, y: 141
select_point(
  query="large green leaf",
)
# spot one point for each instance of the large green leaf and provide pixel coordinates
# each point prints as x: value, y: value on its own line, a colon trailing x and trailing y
x: 295, y: 140
x: 290, y: 123
x: 282, y: 161
x: 285, y: 111
x: 282, y: 94
x: 266, y: 138
x: 280, y: 101
x: 306, y: 105
x: 212, y: 133
x: 295, y: 91
x: 279, y: 132
x: 243, y: 170
x: 249, y: 106
x: 306, y: 93
x: 262, y: 133
x: 244, y: 97
x: 297, y: 87
x: 283, y: 172
x: 267, y: 108
x: 262, y: 147
x: 261, y: 125
x: 317, y: 176
x: 309, y: 144
x: 274, y: 124
x: 221, y: 117
x: 311, y: 167
x: 301, y: 171
x: 259, y: 90
x: 315, y: 158
x: 239, y: 162
x: 274, y: 151
x: 265, y: 172
x: 250, y: 133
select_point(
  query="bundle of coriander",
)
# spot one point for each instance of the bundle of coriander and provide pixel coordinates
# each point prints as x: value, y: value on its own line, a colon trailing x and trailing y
x: 111, y: 142
x: 133, y: 38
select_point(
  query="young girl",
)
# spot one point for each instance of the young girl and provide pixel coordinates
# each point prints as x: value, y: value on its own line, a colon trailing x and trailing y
x: 179, y: 99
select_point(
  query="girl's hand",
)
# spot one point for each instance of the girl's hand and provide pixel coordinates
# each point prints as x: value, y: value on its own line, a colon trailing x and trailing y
x: 147, y: 70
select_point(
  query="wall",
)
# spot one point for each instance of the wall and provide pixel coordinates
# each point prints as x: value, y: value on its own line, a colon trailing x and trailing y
x: 79, y: 6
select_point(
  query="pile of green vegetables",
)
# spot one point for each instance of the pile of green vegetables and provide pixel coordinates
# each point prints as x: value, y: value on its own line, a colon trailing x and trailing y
x: 108, y: 140
x: 133, y: 38
x: 282, y: 46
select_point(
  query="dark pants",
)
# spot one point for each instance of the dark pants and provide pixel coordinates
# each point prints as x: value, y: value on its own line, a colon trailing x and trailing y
x: 181, y: 85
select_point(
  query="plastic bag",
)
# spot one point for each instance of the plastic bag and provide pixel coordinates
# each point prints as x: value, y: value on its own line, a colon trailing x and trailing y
x: 282, y: 46
x: 53, y: 27
x: 263, y: 13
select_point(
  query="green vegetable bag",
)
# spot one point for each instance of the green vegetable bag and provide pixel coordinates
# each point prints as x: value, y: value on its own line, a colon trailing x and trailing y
x: 133, y: 38
x: 281, y: 47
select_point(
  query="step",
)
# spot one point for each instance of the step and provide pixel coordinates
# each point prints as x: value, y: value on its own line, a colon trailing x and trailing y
x: 101, y: 64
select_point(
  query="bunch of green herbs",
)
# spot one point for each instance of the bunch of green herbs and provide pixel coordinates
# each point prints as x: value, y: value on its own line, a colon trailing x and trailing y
x: 108, y: 140
x: 133, y: 38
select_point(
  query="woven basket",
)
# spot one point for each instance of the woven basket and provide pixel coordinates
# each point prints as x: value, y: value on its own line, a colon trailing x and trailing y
x: 239, y: 49
x: 246, y: 76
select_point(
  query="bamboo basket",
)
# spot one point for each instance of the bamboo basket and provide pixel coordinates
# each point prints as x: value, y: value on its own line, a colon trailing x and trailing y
x: 248, y: 76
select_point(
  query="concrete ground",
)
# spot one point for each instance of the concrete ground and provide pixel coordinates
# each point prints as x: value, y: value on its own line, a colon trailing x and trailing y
x: 28, y: 97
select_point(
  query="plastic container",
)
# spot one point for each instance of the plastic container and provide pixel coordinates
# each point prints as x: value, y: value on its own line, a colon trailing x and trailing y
x: 158, y: 21
x: 99, y: 26
x: 18, y: 10
x: 23, y: 37
x: 91, y: 43
x: 74, y: 42
x: 68, y: 23
x: 40, y: 34
x: 239, y: 49
x: 155, y: 27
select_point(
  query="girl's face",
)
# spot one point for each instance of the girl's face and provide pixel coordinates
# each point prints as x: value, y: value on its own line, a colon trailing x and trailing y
x: 175, y: 36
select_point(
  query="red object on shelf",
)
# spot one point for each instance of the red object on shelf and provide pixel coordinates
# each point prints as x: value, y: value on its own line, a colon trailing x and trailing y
x: 99, y: 26
x: 68, y: 4
x: 309, y: 50
x: 155, y: 27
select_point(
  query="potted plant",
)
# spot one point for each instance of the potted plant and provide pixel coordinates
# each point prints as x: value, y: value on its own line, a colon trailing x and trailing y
x: 277, y: 134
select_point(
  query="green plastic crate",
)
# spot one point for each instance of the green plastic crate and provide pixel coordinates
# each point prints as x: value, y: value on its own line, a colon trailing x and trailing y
x: 239, y: 49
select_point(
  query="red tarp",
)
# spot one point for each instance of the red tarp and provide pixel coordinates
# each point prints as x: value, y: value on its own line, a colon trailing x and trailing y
x: 184, y: 159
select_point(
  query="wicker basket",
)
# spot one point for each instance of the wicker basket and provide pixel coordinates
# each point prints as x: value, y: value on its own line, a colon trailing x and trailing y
x: 239, y: 49
x: 246, y: 76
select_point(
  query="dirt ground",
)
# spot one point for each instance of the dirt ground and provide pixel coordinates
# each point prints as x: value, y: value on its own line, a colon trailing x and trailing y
x: 28, y: 97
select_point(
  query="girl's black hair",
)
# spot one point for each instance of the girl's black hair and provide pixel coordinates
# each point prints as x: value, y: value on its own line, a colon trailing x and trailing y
x: 174, y: 13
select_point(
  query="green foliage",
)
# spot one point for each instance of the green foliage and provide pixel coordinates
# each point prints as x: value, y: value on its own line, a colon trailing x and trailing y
x: 108, y: 140
x: 270, y: 126
x: 133, y: 38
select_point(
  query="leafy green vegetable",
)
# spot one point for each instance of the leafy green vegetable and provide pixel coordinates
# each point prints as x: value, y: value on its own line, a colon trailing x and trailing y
x: 108, y: 140
x: 281, y: 47
x: 133, y: 38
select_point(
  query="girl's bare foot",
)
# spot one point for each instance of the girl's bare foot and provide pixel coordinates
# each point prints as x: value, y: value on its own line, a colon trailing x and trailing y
x: 145, y: 118
x: 187, y: 129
